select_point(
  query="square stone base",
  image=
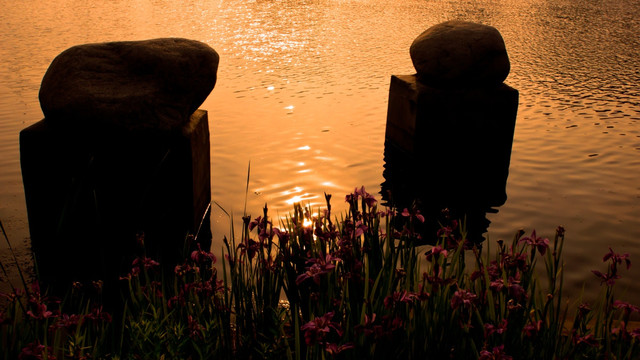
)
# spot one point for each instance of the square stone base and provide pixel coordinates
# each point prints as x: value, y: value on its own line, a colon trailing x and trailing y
x: 89, y: 193
x: 457, y: 142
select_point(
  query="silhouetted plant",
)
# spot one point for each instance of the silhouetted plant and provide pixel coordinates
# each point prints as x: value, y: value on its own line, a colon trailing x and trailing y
x: 317, y: 286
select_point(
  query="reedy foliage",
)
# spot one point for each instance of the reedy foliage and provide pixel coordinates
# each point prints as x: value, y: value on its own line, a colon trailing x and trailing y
x: 317, y: 286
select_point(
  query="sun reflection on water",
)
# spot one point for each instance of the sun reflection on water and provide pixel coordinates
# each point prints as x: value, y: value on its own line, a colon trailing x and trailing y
x: 294, y: 200
x: 307, y: 222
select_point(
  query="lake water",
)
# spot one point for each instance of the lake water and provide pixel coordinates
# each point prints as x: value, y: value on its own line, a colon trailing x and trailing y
x: 302, y: 96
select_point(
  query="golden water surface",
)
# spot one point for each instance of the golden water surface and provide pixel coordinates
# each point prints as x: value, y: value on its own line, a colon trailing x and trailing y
x: 302, y: 96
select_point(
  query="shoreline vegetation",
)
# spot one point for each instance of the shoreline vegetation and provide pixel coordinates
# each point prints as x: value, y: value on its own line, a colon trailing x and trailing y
x: 325, y: 286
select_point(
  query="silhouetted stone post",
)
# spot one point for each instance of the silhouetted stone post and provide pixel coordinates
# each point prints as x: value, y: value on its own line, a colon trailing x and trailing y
x: 450, y: 126
x: 122, y: 151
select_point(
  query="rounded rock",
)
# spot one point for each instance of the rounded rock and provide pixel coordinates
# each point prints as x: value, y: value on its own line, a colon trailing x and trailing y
x: 460, y: 54
x: 133, y: 85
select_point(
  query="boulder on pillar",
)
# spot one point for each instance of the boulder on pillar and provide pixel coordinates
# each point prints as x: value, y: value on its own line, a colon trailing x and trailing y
x: 460, y: 54
x: 122, y: 150
x: 450, y: 126
x: 148, y: 85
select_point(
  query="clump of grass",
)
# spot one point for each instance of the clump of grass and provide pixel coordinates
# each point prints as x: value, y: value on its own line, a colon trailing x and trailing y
x: 320, y: 286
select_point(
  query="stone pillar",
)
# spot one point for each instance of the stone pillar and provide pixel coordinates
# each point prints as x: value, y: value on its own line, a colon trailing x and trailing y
x: 122, y: 151
x: 450, y: 126
x: 88, y: 197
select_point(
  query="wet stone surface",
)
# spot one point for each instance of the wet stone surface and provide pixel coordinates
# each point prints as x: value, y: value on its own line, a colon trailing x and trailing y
x: 460, y: 54
x: 134, y: 85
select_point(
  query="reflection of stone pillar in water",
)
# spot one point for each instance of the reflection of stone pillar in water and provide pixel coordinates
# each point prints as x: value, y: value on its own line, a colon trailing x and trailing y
x: 452, y: 123
x: 122, y: 150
